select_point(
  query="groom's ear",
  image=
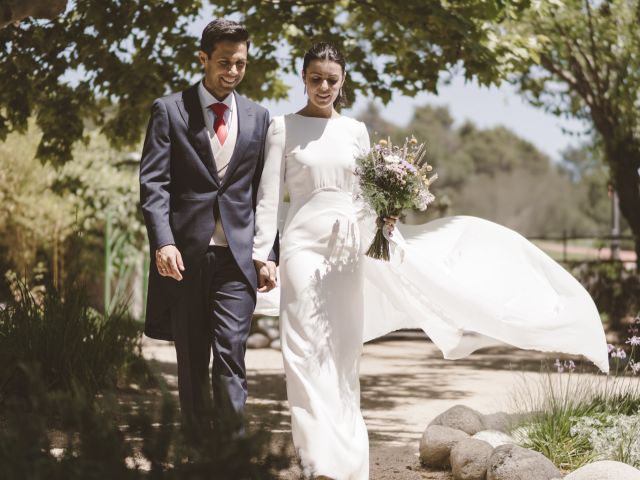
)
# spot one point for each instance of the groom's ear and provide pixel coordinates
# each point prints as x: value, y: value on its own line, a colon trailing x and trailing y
x: 203, y: 57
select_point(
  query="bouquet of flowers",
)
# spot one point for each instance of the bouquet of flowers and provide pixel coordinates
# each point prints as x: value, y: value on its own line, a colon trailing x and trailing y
x: 393, y: 179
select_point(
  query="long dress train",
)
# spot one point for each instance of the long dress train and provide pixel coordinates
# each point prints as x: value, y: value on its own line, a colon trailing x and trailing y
x: 467, y: 282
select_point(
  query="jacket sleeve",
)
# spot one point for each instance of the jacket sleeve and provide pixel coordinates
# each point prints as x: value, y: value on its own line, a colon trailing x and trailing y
x: 155, y: 178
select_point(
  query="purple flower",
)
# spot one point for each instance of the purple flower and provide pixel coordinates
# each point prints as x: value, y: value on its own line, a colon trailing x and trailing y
x: 635, y: 367
x: 558, y: 365
x: 408, y: 166
x: 423, y: 199
x: 619, y: 353
x: 566, y: 365
x: 611, y: 348
x: 634, y: 341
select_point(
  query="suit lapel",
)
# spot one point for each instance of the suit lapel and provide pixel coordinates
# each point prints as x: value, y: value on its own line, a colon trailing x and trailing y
x: 246, y: 124
x: 191, y: 112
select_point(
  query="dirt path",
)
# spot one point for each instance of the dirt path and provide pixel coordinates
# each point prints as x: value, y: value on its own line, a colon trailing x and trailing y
x: 405, y: 384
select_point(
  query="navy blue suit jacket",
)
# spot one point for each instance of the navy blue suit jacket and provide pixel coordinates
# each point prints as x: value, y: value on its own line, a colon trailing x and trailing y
x: 180, y: 192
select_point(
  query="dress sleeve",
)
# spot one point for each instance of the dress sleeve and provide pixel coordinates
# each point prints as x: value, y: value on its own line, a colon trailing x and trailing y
x: 270, y: 191
x: 364, y: 143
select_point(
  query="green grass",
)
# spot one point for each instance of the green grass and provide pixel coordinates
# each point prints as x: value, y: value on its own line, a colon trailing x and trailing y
x: 71, y: 344
x: 560, y: 401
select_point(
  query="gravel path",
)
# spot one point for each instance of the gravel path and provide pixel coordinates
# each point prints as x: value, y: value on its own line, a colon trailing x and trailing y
x: 405, y: 384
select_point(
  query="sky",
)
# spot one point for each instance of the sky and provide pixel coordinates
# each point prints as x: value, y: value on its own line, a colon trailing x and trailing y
x: 486, y: 107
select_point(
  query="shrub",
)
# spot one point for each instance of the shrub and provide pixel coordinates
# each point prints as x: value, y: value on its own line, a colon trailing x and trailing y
x: 89, y: 443
x: 579, y: 418
x: 615, y: 290
x: 71, y: 344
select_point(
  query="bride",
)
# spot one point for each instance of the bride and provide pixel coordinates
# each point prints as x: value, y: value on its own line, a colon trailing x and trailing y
x: 467, y: 282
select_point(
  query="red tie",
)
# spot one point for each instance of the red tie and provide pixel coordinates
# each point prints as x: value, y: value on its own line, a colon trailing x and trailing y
x: 218, y: 124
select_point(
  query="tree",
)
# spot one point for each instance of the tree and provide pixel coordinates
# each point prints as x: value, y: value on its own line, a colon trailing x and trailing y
x: 127, y: 53
x: 589, y: 68
x: 53, y: 219
x: 123, y: 54
x: 12, y: 11
x: 495, y: 174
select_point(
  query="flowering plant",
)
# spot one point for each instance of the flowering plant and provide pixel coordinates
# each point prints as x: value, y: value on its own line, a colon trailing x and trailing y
x: 391, y: 180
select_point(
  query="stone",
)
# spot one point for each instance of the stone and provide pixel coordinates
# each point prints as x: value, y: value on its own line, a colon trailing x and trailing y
x: 436, y: 444
x: 275, y: 344
x: 461, y: 418
x: 469, y: 458
x: 264, y: 323
x: 272, y: 333
x: 494, y: 438
x: 605, y: 470
x: 496, y: 421
x: 258, y: 340
x: 511, y: 462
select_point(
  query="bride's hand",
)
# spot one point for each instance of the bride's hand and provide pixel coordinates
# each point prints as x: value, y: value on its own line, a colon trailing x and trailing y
x: 390, y: 223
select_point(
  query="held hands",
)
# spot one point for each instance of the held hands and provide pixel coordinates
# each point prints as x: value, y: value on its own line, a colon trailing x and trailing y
x: 266, y: 275
x: 169, y: 262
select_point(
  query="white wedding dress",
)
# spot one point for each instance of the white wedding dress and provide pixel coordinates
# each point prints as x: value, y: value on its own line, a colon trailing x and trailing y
x: 467, y: 282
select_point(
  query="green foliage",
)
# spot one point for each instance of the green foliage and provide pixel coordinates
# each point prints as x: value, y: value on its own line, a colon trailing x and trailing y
x: 125, y: 54
x: 389, y: 47
x: 110, y: 56
x: 58, y: 216
x: 560, y: 402
x: 589, y: 68
x: 72, y: 436
x: 590, y: 176
x: 71, y: 344
x: 31, y: 216
x: 615, y: 290
x: 495, y: 174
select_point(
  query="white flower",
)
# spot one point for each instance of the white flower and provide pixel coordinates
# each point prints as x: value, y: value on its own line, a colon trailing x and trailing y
x: 392, y: 158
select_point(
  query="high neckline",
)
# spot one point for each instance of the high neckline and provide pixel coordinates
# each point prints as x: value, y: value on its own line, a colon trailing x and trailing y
x: 318, y: 118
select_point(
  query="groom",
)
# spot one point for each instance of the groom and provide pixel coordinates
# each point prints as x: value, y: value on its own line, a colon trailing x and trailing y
x: 201, y: 165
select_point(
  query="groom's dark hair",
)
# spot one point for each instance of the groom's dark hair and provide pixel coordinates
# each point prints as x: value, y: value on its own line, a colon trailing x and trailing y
x: 220, y: 30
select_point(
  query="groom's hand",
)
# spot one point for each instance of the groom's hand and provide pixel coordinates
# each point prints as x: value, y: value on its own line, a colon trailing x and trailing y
x: 266, y: 275
x: 169, y: 262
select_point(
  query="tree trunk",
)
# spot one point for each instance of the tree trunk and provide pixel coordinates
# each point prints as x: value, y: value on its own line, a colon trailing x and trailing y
x: 624, y: 159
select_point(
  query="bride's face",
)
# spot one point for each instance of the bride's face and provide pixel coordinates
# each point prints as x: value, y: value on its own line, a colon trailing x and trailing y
x: 323, y: 79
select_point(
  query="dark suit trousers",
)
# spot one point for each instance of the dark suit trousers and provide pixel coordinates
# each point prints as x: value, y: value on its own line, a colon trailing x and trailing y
x: 213, y: 316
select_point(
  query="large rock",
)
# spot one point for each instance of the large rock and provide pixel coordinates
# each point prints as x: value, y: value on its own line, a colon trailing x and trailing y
x: 461, y: 418
x: 511, y: 462
x: 436, y: 444
x: 496, y: 421
x: 494, y: 438
x: 605, y: 470
x: 469, y: 458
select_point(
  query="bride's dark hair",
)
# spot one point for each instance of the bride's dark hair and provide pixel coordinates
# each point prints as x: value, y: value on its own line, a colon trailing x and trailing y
x: 326, y: 51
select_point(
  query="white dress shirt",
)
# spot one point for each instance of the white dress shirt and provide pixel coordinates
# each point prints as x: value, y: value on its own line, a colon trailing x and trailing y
x: 221, y: 153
